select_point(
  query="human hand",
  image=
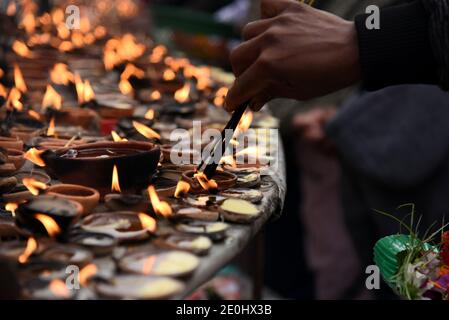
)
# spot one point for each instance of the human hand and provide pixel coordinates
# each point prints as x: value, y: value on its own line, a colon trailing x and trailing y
x: 294, y: 51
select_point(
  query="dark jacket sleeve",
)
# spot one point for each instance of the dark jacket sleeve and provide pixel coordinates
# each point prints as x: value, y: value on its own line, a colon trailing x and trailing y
x: 402, y: 50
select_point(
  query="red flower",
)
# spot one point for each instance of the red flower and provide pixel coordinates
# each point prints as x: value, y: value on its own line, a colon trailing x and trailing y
x: 445, y: 248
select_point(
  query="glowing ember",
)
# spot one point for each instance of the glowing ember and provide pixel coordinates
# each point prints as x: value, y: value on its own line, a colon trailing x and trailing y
x: 125, y: 87
x: 21, y: 49
x: 182, y: 95
x: 34, y: 156
x: 205, y: 183
x: 181, y: 187
x: 84, y: 90
x: 13, y: 101
x: 33, y: 114
x: 168, y: 75
x: 149, y: 114
x: 18, y: 79
x: 116, y: 137
x: 49, y: 224
x: 115, y: 185
x: 145, y: 131
x: 60, y: 74
x: 160, y: 207
x: 59, y: 288
x: 33, y: 185
x: 51, y: 127
x: 86, y: 273
x: 30, y: 248
x: 147, y: 222
x: 51, y: 99
x: 12, y: 207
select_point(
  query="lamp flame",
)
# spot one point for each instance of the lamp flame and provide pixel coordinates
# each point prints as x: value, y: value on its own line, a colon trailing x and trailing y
x: 145, y: 131
x: 13, y: 101
x: 147, y: 222
x: 51, y: 128
x: 18, y: 79
x: 49, y: 224
x: 220, y: 96
x: 168, y: 75
x: 33, y: 185
x: 115, y: 185
x: 84, y: 90
x: 21, y: 49
x: 33, y: 114
x: 12, y: 207
x: 149, y: 114
x: 205, y: 183
x: 182, y: 95
x: 116, y: 137
x: 86, y: 273
x: 34, y: 156
x: 125, y: 87
x: 30, y: 248
x: 60, y: 74
x: 160, y: 207
x: 51, y: 98
x: 181, y: 187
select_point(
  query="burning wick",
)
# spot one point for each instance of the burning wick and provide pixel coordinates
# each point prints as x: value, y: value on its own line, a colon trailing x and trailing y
x: 147, y: 222
x: 181, y: 187
x: 51, y: 128
x: 205, y: 183
x: 34, y: 156
x: 116, y: 137
x: 86, y: 273
x: 160, y: 207
x: 30, y: 248
x: 145, y: 131
x: 115, y: 186
x: 182, y: 95
x: 12, y: 207
x: 49, y: 224
x: 33, y: 185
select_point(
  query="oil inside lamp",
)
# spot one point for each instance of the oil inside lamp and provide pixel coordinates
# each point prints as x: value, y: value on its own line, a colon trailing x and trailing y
x: 159, y: 207
x: 115, y: 185
x: 238, y: 210
x: 199, y: 245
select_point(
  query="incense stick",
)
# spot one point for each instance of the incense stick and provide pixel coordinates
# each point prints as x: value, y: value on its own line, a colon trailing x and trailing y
x: 210, y: 164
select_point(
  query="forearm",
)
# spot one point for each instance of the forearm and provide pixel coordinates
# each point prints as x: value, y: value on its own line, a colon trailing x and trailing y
x: 400, y: 51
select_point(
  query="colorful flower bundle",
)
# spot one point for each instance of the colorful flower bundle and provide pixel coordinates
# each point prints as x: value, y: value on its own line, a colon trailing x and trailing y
x: 415, y: 268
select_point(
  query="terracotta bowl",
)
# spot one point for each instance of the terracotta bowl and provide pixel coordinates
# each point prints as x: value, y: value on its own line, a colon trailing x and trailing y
x: 16, y: 157
x: 11, y: 143
x: 225, y: 180
x: 165, y: 86
x: 71, y: 116
x: 24, y: 134
x: 93, y: 166
x: 87, y: 197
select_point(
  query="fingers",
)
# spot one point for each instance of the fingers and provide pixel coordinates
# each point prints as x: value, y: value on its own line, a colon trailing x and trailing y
x: 259, y: 101
x: 247, y: 86
x: 244, y: 55
x: 271, y: 8
x: 253, y: 29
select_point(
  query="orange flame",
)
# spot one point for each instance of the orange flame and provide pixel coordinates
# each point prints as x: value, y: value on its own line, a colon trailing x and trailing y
x: 205, y: 183
x: 77, y: 39
x: 181, y: 187
x: 30, y: 248
x: 28, y: 23
x: 116, y: 137
x: 145, y: 131
x: 149, y: 114
x: 84, y: 24
x: 13, y: 101
x: 65, y: 46
x: 51, y: 127
x: 33, y: 185
x: 160, y: 207
x: 12, y: 207
x: 60, y: 74
x: 147, y: 222
x: 18, y: 79
x: 155, y: 95
x: 34, y: 156
x: 58, y: 16
x: 49, y: 224
x: 99, y: 32
x: 33, y: 114
x: 168, y: 75
x: 157, y: 54
x: 63, y: 31
x: 21, y: 49
x: 86, y: 273
x: 125, y: 87
x: 182, y: 95
x: 51, y: 98
x: 220, y: 96
x: 246, y: 121
x: 132, y: 70
x: 59, y: 288
x: 115, y: 185
x: 84, y: 90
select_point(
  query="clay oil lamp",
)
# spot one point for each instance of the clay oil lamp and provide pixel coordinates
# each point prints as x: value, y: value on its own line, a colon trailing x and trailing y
x: 216, y: 231
x: 48, y: 215
x: 252, y: 195
x: 123, y: 226
x: 93, y: 164
x: 11, y: 143
x: 66, y: 254
x: 16, y: 158
x: 140, y: 287
x: 88, y: 198
x: 167, y: 82
x: 29, y: 184
x: 238, y: 210
x: 123, y: 202
x: 100, y: 244
x: 199, y: 245
x: 199, y: 183
x: 166, y: 263
x: 18, y: 250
